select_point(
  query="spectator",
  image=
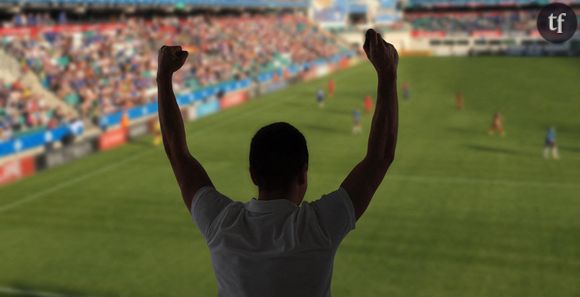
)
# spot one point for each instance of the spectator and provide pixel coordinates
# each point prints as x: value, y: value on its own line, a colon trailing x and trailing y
x: 466, y: 22
x: 21, y: 110
x: 103, y: 71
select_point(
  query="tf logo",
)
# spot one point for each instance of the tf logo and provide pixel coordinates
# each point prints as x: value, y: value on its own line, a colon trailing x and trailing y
x: 557, y: 22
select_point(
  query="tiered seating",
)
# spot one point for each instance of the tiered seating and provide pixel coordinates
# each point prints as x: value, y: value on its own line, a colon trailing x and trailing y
x: 506, y: 21
x: 460, y: 3
x: 219, y: 3
x: 22, y: 111
x: 102, y: 71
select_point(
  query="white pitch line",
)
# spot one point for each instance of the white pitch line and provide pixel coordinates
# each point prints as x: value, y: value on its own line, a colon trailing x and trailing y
x: 34, y: 293
x: 110, y: 167
x: 246, y: 114
x: 68, y: 183
x: 499, y: 182
x: 417, y: 178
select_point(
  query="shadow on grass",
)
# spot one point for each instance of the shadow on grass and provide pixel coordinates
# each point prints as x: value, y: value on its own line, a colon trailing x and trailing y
x: 20, y: 290
x: 325, y: 129
x: 340, y: 111
x: 491, y: 149
x: 569, y: 148
x: 461, y: 130
x: 144, y: 141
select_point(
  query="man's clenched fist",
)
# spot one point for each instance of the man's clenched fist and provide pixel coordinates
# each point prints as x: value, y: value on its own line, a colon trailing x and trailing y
x: 170, y: 59
x: 382, y: 55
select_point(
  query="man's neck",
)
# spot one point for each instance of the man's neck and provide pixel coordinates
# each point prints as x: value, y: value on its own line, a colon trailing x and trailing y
x: 288, y: 194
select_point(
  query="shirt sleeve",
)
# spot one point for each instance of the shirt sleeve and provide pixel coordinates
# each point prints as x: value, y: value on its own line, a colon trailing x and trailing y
x: 206, y: 206
x: 335, y: 214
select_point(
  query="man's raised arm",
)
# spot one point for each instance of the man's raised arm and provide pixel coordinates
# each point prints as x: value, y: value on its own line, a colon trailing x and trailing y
x: 188, y: 171
x: 365, y: 178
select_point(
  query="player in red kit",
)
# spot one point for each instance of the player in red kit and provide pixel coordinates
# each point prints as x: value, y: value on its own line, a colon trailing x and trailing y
x: 497, y: 125
x: 368, y: 104
x: 331, y: 88
x: 459, y: 100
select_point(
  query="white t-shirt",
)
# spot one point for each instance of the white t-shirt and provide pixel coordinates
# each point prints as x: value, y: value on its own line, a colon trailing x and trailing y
x: 273, y: 248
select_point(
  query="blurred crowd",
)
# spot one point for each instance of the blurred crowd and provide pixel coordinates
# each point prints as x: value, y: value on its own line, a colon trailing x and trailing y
x: 102, y: 71
x: 506, y: 21
x: 35, y: 19
x: 22, y: 110
x: 239, y: 47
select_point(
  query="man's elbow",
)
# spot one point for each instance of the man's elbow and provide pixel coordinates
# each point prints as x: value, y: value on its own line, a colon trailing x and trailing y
x: 386, y: 161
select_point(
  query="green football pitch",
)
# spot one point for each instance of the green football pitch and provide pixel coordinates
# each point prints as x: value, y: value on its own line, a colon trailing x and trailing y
x: 460, y: 213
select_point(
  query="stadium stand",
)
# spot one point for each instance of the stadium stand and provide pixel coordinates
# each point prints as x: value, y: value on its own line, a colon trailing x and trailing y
x: 34, y: 19
x: 23, y: 111
x: 467, y: 22
x: 102, y: 70
x: 144, y: 3
x: 477, y: 3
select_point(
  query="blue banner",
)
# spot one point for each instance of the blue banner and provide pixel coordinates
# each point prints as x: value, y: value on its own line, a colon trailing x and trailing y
x: 182, y: 99
x: 34, y: 139
x: 42, y: 137
x: 207, y: 108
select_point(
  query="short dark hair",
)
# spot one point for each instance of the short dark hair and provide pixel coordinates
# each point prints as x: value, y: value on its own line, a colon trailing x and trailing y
x: 278, y: 153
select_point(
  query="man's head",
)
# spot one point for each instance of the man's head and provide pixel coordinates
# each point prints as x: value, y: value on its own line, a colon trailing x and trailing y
x: 279, y: 159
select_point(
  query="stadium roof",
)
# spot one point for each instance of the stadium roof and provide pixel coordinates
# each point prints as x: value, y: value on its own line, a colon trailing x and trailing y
x: 214, y: 3
x: 479, y: 3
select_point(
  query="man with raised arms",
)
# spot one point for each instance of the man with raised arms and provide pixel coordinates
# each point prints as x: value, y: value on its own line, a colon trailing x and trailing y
x: 276, y: 244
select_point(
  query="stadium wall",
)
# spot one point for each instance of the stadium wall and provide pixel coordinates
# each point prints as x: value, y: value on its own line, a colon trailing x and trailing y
x: 16, y: 169
x: 484, y: 42
x: 63, y: 145
x: 488, y: 42
x: 479, y: 42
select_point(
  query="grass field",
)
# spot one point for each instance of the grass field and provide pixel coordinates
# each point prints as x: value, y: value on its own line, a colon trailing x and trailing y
x: 461, y: 213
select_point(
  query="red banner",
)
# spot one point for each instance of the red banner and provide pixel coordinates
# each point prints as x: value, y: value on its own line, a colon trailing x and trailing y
x: 35, y: 30
x: 17, y: 169
x: 431, y: 34
x: 16, y: 31
x: 112, y: 139
x: 233, y: 99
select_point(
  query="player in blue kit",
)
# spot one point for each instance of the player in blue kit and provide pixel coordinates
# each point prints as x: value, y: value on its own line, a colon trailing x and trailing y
x: 320, y: 98
x: 406, y: 90
x: 550, y: 147
x: 356, y: 122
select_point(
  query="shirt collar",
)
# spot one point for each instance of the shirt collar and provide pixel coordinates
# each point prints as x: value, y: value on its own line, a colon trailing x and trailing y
x: 276, y: 205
